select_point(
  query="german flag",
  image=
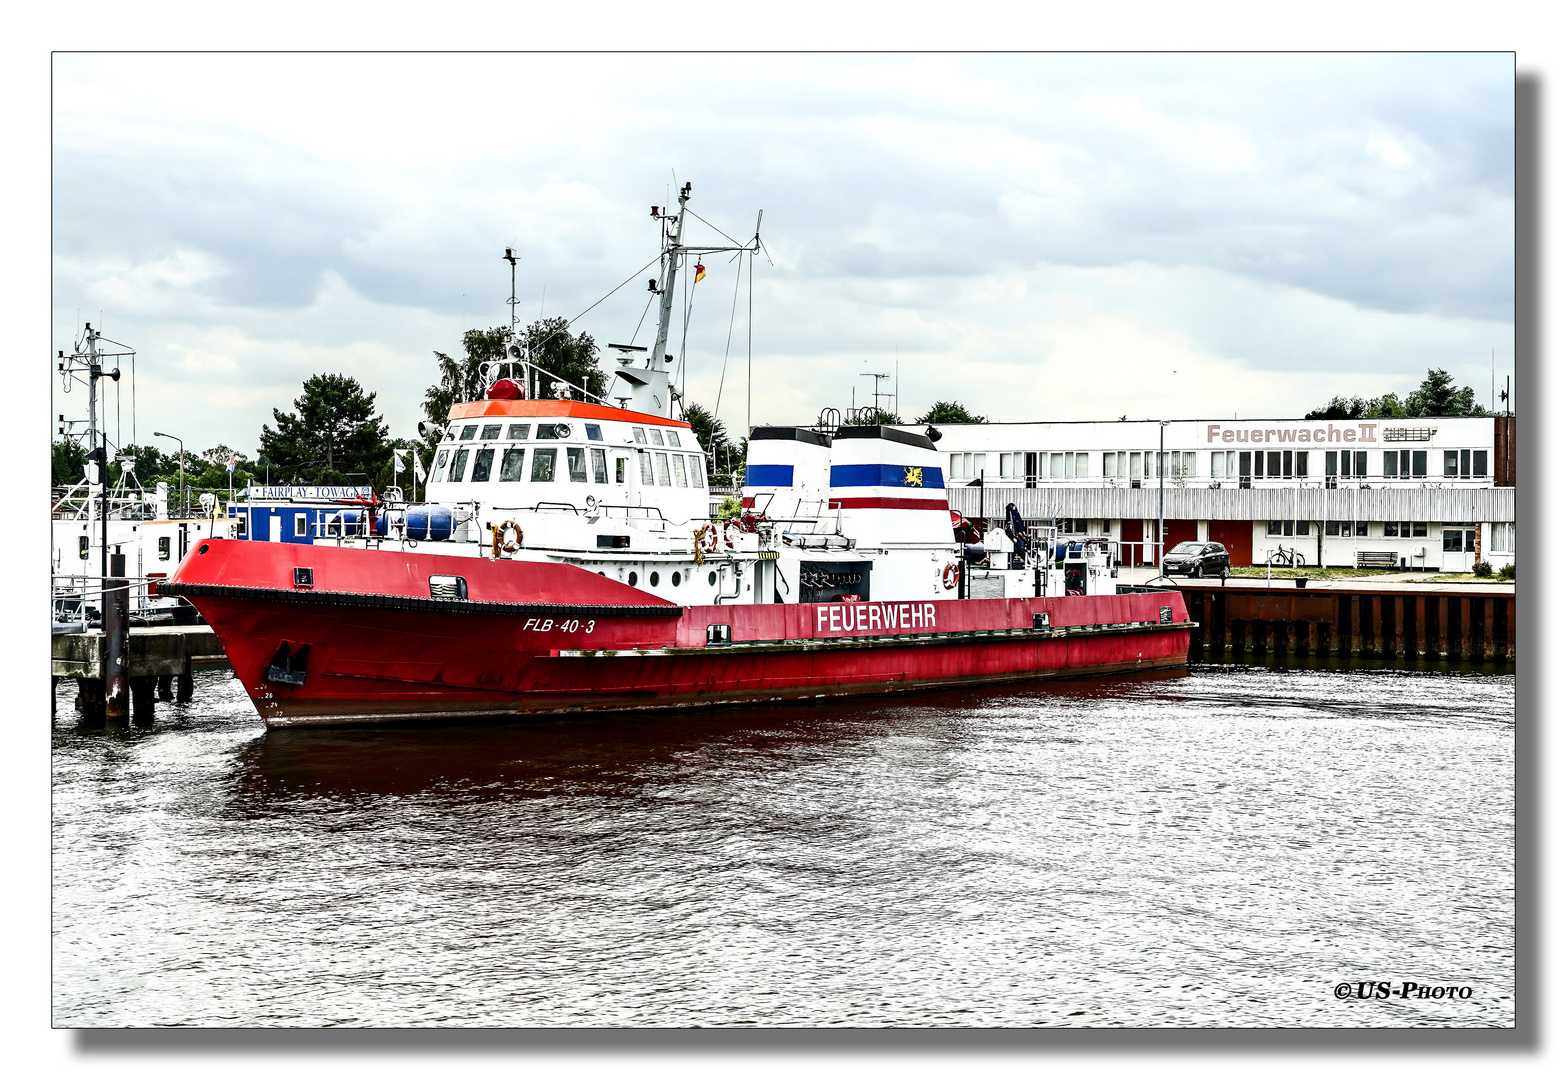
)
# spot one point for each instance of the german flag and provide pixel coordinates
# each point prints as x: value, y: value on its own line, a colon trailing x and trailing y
x: 701, y: 272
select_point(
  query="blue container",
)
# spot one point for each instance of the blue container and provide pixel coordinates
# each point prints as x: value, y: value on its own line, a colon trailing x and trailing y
x: 354, y: 522
x: 429, y: 522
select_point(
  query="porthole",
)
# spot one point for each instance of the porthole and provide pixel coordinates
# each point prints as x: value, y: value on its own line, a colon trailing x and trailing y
x: 674, y: 579
x: 202, y: 550
x: 602, y: 574
x: 712, y: 577
x: 631, y: 579
x: 652, y: 579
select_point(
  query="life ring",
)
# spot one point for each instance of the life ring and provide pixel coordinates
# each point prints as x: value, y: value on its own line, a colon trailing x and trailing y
x: 729, y: 540
x: 498, y: 541
x: 949, y: 576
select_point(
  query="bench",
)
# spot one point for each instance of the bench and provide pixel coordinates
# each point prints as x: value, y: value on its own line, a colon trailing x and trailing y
x: 1370, y: 560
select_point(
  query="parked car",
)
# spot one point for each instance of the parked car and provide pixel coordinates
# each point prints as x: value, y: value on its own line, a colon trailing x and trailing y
x: 1195, y: 558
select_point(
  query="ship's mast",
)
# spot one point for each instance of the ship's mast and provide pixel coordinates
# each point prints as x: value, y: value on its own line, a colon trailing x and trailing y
x: 672, y: 252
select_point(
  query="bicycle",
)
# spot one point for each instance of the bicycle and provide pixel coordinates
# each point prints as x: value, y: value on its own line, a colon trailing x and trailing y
x: 1286, y: 557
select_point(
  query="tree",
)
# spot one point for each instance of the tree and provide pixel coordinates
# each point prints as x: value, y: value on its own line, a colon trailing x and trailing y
x: 67, y: 463
x: 708, y: 429
x: 574, y: 359
x: 461, y: 380
x: 1438, y: 395
x: 949, y: 412
x: 722, y: 454
x: 335, y: 432
x: 1340, y: 408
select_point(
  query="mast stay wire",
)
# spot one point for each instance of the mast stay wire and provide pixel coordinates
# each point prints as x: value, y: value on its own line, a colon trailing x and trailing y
x: 733, y: 306
x: 640, y: 321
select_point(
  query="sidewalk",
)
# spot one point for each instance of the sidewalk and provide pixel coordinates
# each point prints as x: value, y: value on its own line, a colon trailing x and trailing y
x: 1399, y: 582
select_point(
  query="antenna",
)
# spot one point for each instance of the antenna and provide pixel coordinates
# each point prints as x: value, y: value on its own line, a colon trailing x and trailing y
x: 511, y: 258
x: 876, y: 394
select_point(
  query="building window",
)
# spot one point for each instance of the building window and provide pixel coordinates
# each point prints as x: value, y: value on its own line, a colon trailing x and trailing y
x: 1330, y: 528
x: 1418, y: 463
x: 544, y: 466
x: 1362, y: 528
x: 1275, y: 528
x: 1082, y: 464
x: 1449, y: 462
x: 1360, y: 462
x: 1302, y: 528
x: 1057, y: 466
x: 1502, y: 536
x: 1390, y: 528
x: 1136, y: 471
x: 1390, y: 463
x: 1417, y: 528
x: 1481, y: 461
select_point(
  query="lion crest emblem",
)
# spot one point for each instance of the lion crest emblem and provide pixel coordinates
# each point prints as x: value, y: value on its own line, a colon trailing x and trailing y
x: 913, y: 477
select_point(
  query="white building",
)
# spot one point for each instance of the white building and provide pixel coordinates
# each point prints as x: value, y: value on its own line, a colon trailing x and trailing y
x: 1406, y: 493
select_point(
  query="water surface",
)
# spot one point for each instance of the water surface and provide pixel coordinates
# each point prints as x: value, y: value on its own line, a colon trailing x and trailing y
x: 1218, y: 848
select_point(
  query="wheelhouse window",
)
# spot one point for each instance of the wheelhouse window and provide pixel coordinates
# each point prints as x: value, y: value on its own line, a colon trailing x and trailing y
x: 656, y: 435
x: 639, y: 435
x: 594, y: 432
x: 663, y: 468
x: 577, y: 464
x: 511, y: 463
x: 468, y: 431
x: 459, y: 463
x: 680, y: 470
x: 646, y: 460
x: 518, y: 432
x: 620, y: 470
x: 600, y: 467
x: 553, y: 431
x: 698, y: 471
x: 674, y: 438
x: 544, y: 466
x: 481, y: 464
x: 491, y: 431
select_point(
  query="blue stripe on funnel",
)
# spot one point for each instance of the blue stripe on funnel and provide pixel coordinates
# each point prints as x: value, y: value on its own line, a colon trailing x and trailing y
x: 885, y: 475
x: 769, y: 476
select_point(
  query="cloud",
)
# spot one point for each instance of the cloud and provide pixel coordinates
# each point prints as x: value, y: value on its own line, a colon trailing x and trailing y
x: 1289, y: 226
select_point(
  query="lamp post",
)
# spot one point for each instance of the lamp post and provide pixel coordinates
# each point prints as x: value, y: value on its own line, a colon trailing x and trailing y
x: 1162, y: 425
x: 176, y: 438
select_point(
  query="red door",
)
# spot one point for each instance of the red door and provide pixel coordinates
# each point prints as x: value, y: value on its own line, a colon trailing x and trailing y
x: 1176, y: 532
x: 1130, y: 549
x: 1236, y: 538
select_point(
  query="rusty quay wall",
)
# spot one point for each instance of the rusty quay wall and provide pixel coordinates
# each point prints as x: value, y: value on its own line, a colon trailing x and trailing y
x: 1237, y: 620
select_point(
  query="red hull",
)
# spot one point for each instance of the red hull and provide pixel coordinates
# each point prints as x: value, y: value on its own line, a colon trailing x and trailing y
x: 541, y: 638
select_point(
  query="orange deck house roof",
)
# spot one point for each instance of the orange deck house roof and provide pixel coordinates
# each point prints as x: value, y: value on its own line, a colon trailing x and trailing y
x: 585, y: 410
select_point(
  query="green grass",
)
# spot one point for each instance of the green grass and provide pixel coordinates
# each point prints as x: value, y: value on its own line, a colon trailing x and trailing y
x: 1492, y: 580
x: 1315, y: 573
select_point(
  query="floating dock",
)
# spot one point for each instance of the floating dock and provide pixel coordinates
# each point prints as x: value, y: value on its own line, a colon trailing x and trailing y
x: 1386, y: 622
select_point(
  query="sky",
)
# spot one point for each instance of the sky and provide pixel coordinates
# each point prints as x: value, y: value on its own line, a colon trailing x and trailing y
x: 1037, y: 236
